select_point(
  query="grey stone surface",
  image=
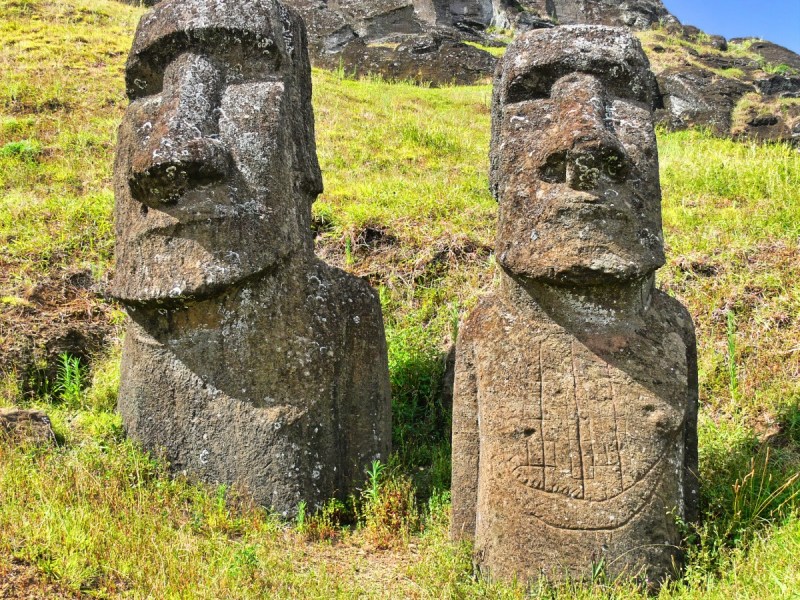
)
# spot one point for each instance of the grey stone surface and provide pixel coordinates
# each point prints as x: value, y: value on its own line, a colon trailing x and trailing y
x: 247, y: 360
x: 376, y: 35
x: 635, y: 14
x: 694, y: 96
x: 25, y: 426
x: 575, y: 401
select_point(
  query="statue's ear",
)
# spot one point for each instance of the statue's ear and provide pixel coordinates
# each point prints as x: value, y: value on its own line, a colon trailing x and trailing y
x: 288, y: 26
x: 308, y: 177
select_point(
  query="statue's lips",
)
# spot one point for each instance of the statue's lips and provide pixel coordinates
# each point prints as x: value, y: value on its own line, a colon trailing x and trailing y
x: 559, y: 200
x: 590, y: 208
x: 185, y: 228
x: 199, y: 209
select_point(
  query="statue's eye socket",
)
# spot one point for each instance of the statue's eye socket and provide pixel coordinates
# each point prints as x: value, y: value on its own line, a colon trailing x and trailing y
x: 141, y: 83
x: 554, y: 169
x: 528, y: 89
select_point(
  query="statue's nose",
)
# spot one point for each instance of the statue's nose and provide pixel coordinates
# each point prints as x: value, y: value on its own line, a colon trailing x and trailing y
x: 181, y: 149
x: 586, y: 150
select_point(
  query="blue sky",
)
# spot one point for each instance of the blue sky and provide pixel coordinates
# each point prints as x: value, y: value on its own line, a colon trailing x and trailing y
x: 774, y: 20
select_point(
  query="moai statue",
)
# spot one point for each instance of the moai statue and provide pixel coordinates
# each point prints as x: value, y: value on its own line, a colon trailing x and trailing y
x: 575, y: 404
x: 247, y: 360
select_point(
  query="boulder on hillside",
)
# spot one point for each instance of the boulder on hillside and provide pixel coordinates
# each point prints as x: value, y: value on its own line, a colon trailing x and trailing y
x: 421, y: 39
x: 692, y: 96
x: 634, y: 14
x: 773, y: 54
x: 778, y: 85
x: 20, y: 426
x: 419, y: 58
x: 766, y: 120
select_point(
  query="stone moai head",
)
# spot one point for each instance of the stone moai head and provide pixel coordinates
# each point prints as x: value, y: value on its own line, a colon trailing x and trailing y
x: 216, y: 165
x: 574, y: 162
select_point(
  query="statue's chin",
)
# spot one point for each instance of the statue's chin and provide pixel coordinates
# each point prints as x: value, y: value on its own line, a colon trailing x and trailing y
x: 602, y: 268
x: 188, y: 273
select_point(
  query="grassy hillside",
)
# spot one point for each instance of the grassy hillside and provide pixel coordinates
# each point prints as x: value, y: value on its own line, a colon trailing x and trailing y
x: 406, y: 206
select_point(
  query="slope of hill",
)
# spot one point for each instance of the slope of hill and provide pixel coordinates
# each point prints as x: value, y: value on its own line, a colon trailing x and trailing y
x: 406, y: 206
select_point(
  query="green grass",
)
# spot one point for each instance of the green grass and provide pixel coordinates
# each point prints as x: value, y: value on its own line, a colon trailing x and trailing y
x: 405, y: 206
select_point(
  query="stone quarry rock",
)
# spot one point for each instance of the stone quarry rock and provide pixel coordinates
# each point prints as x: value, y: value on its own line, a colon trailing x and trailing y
x: 766, y: 123
x: 247, y: 361
x: 431, y: 41
x: 636, y: 14
x: 421, y: 58
x: 694, y: 96
x: 735, y: 94
x: 423, y: 39
x: 773, y: 54
x: 575, y: 401
x: 779, y: 85
x: 20, y: 426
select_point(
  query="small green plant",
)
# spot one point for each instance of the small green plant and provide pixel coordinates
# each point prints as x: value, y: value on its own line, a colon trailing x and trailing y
x: 389, y: 513
x: 733, y: 369
x: 339, y: 72
x: 761, y: 496
x: 454, y: 308
x: 326, y: 523
x: 24, y: 149
x: 245, y: 562
x: 300, y: 519
x: 599, y: 571
x: 69, y: 380
x: 374, y: 473
x: 348, y: 250
x: 779, y: 69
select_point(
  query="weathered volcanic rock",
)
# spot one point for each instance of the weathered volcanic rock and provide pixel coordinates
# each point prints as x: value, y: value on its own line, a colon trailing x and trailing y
x: 421, y: 58
x: 776, y: 124
x: 400, y: 39
x: 422, y: 39
x: 247, y: 361
x: 575, y: 401
x: 779, y: 85
x: 635, y: 14
x: 21, y: 426
x: 772, y: 54
x: 731, y: 92
x: 694, y: 96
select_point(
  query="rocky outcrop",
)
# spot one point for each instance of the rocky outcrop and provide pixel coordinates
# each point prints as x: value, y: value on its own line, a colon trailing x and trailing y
x: 732, y: 88
x: 634, y: 14
x: 694, y: 96
x: 772, y: 54
x: 21, y: 427
x: 424, y: 40
x: 421, y: 40
x: 437, y: 57
x: 703, y: 82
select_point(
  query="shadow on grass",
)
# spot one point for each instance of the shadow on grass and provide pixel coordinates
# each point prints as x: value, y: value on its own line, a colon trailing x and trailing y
x: 421, y: 412
x: 747, y: 486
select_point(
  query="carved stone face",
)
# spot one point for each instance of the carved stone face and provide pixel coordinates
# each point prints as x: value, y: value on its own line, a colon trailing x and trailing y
x: 574, y: 162
x: 216, y: 166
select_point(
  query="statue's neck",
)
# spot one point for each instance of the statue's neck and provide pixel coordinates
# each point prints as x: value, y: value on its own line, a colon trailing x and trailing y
x: 595, y: 306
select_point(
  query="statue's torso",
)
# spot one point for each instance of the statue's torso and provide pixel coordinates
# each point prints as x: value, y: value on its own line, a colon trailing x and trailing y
x: 580, y: 434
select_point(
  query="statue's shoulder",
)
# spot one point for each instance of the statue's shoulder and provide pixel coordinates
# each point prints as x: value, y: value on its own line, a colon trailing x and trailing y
x: 674, y: 314
x: 490, y: 314
x: 349, y: 294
